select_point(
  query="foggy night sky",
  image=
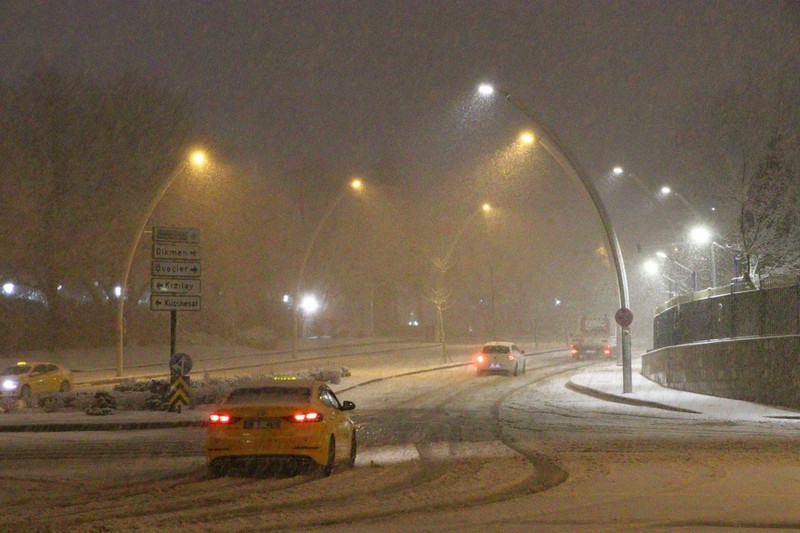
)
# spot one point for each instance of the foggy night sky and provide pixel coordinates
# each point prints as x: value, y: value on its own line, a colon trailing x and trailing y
x: 349, y: 80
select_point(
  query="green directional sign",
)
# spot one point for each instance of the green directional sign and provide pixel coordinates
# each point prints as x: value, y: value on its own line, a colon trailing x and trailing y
x: 168, y: 302
x: 176, y: 286
x: 173, y: 234
x: 171, y: 250
x: 176, y: 269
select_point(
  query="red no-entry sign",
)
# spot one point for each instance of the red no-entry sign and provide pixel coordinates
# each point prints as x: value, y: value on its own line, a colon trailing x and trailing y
x: 624, y: 317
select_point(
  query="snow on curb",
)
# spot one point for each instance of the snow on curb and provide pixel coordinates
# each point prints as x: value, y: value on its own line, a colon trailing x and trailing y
x: 433, y: 451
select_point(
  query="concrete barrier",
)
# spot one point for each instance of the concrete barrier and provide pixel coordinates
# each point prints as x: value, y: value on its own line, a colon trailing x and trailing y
x: 757, y: 369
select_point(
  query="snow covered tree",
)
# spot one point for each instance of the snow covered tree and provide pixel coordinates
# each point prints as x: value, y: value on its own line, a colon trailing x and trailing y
x: 769, y: 217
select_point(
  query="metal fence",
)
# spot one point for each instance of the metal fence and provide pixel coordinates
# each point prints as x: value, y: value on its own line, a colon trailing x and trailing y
x: 727, y: 313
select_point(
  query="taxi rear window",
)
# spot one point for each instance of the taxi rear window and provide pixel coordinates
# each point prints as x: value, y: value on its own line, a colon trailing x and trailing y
x: 16, y: 370
x: 269, y: 395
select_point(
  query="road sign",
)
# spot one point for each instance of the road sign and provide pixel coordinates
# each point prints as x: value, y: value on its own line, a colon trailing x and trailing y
x: 180, y: 364
x: 167, y: 302
x: 176, y: 269
x: 172, y: 250
x: 171, y: 234
x: 624, y: 317
x: 178, y: 392
x: 179, y: 286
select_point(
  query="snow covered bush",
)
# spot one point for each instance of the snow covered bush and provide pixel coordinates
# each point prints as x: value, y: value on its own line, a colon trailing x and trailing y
x: 103, y: 404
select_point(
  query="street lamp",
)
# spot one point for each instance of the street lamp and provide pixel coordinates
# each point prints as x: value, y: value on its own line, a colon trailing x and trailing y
x: 692, y: 273
x: 356, y: 185
x: 651, y: 268
x: 702, y: 235
x: 569, y: 165
x: 197, y: 159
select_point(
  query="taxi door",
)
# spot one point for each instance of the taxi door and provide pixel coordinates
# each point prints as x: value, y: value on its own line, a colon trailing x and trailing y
x: 39, y: 379
x: 341, y: 425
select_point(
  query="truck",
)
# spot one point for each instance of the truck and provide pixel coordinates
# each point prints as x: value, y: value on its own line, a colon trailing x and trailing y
x: 596, y: 338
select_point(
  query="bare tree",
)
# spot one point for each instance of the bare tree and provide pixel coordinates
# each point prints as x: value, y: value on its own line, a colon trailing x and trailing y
x: 82, y: 155
x: 439, y: 294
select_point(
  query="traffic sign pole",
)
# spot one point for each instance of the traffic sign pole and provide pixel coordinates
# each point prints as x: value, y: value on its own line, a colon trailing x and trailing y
x: 173, y: 326
x: 624, y: 318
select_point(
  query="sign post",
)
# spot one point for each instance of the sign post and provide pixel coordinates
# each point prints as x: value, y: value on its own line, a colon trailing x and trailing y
x: 180, y: 364
x: 624, y: 318
x: 175, y: 286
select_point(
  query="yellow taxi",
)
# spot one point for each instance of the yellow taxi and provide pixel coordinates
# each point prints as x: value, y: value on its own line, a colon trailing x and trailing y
x: 28, y: 378
x: 278, y: 421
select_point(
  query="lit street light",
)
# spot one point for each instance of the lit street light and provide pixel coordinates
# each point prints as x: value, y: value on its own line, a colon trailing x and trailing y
x: 356, y: 185
x: 650, y: 266
x: 197, y: 159
x: 485, y: 89
x: 617, y: 171
x: 568, y: 164
x: 692, y: 273
x: 665, y: 190
x: 527, y: 138
x: 702, y: 235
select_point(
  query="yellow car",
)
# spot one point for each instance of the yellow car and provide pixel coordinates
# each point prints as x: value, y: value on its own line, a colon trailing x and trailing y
x: 277, y: 421
x: 28, y: 378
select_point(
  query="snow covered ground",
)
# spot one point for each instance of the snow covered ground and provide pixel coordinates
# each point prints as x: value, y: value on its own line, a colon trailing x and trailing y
x: 440, y: 451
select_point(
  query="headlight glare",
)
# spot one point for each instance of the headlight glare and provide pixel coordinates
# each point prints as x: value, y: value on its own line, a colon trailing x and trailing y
x: 9, y: 384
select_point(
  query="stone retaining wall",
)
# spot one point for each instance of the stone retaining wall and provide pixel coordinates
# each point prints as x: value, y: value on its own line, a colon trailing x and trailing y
x: 764, y: 369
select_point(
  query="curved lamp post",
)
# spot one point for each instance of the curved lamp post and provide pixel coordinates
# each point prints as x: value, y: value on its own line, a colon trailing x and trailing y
x: 567, y: 163
x: 356, y: 185
x: 196, y: 159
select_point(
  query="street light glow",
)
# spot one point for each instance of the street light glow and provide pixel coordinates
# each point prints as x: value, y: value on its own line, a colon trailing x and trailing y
x: 651, y: 267
x: 485, y: 89
x: 486, y: 207
x: 8, y: 288
x: 665, y: 190
x: 198, y: 158
x: 661, y: 255
x: 309, y: 304
x: 526, y: 138
x: 700, y: 235
x: 117, y: 291
x: 357, y: 184
x: 617, y: 171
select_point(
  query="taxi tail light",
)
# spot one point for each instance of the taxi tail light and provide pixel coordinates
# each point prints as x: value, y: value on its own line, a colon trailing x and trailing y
x: 302, y: 418
x: 480, y: 359
x: 221, y: 418
x: 607, y: 350
x: 574, y: 350
x: 510, y: 357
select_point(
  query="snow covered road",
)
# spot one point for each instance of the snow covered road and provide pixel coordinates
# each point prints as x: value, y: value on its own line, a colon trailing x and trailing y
x: 439, y: 451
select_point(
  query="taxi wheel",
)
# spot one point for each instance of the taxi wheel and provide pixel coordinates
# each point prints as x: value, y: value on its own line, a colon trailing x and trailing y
x: 524, y: 364
x: 353, y: 451
x: 327, y: 470
x: 25, y: 392
x: 516, y: 369
x: 65, y: 386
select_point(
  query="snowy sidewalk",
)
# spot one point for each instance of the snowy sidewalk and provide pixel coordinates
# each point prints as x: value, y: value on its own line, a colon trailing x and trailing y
x: 605, y: 382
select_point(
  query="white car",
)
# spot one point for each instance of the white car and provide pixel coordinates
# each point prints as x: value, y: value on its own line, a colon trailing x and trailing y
x: 503, y: 357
